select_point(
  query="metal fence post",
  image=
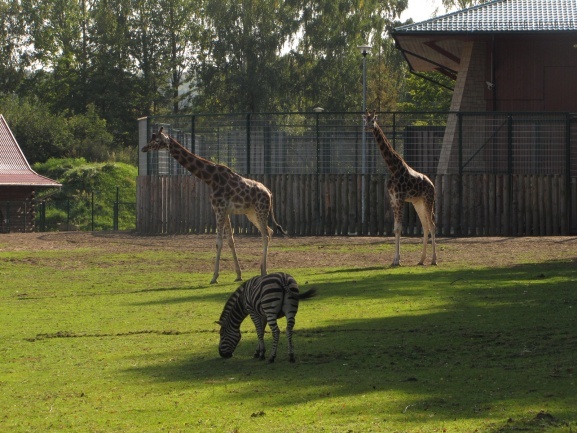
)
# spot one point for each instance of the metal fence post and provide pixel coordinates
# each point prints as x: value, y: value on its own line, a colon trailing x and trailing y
x: 568, y: 195
x: 67, y: 214
x: 92, y: 210
x: 460, y: 140
x: 318, y: 144
x: 115, y: 210
x: 248, y: 119
x: 459, y: 227
x: 193, y: 134
x: 509, y: 203
x: 509, y: 143
x: 43, y: 215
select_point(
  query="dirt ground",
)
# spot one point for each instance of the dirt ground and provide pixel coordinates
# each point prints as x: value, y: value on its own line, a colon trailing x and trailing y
x: 295, y: 252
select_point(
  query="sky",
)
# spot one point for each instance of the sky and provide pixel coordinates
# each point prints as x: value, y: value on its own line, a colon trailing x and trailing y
x: 421, y: 10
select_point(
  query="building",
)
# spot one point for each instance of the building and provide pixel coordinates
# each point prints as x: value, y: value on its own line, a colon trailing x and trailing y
x: 18, y: 185
x: 506, y: 56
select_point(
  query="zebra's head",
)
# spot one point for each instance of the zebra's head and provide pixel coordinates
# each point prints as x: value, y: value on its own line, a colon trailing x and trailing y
x: 229, y: 339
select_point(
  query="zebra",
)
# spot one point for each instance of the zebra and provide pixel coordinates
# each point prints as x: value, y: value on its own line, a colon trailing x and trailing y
x: 265, y: 298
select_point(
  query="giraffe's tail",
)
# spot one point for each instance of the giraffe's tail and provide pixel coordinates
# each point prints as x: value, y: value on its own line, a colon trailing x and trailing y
x: 277, y: 225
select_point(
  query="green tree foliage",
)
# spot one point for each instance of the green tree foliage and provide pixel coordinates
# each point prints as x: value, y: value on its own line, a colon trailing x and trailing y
x: 423, y: 94
x: 13, y: 57
x: 108, y: 62
x: 89, y: 188
x: 42, y: 135
x: 461, y: 4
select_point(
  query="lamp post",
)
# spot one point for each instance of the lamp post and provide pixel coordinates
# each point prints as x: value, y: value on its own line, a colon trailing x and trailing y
x: 364, y: 49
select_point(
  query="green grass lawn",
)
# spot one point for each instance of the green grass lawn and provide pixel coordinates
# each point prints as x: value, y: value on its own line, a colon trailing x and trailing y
x: 97, y: 341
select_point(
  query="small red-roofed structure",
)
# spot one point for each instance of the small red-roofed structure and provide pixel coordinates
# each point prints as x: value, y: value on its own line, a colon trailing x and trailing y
x: 18, y: 185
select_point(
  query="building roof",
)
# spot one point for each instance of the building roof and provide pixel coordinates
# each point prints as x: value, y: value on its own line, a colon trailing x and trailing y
x: 503, y: 16
x: 14, y: 168
x: 436, y: 44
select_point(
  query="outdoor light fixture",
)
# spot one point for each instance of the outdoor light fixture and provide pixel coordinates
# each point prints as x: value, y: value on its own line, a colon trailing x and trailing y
x: 364, y: 49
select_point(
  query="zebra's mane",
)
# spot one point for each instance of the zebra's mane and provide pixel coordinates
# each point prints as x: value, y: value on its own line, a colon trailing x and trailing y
x: 231, y: 304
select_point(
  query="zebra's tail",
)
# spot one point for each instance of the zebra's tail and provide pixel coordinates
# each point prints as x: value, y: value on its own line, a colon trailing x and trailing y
x: 308, y: 294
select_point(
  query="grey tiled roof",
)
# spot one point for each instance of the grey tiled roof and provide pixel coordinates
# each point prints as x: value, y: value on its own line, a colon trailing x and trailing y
x: 503, y: 16
x: 14, y: 169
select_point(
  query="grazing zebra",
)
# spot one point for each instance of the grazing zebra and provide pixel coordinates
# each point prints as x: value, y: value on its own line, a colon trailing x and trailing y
x: 266, y: 298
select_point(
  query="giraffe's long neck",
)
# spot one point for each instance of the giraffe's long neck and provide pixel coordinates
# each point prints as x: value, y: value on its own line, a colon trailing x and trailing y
x: 393, y: 160
x: 200, y: 167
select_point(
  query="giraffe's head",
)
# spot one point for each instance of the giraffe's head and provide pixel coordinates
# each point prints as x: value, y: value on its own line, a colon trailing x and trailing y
x: 158, y: 141
x: 370, y: 119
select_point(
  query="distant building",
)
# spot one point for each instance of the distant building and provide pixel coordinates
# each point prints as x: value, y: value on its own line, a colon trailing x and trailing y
x: 18, y: 185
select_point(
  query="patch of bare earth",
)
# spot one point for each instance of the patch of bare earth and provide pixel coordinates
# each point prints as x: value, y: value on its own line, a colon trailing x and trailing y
x: 295, y: 252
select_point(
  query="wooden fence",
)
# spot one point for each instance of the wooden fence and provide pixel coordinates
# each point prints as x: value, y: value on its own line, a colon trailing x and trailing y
x: 317, y: 205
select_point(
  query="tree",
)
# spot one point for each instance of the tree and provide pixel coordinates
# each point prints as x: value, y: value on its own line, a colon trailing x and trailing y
x: 461, y: 4
x: 110, y: 80
x: 39, y: 133
x: 239, y: 69
x: 425, y: 95
x: 86, y: 61
x: 82, y: 182
x: 327, y: 55
x: 42, y: 135
x: 13, y: 57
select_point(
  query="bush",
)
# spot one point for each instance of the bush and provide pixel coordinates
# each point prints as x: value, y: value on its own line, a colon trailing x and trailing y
x: 89, y: 192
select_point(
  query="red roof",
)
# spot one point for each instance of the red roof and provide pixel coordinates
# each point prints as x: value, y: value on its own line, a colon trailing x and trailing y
x: 14, y: 168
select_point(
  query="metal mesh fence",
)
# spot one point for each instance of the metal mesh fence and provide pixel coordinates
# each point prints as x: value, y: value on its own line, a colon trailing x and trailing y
x: 297, y: 143
x: 337, y: 143
x: 524, y: 143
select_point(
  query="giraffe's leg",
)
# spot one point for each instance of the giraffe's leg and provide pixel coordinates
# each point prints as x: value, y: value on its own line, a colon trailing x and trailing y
x: 219, y: 233
x: 230, y: 239
x: 425, y: 212
x: 265, y: 242
x: 433, y: 230
x: 433, y: 241
x: 397, y: 206
x: 420, y: 207
x: 260, y: 222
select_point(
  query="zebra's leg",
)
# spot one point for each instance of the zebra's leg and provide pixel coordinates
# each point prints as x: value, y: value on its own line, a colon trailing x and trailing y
x: 290, y: 324
x: 259, y: 324
x: 275, y: 337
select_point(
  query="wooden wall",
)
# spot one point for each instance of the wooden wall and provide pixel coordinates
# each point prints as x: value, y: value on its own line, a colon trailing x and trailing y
x: 306, y: 205
x: 532, y: 72
x: 17, y: 211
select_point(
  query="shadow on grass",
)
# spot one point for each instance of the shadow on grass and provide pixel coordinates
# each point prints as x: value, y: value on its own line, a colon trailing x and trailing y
x: 456, y: 344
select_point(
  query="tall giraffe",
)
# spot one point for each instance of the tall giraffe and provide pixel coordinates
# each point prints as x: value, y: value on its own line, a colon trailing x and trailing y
x: 408, y: 185
x: 230, y: 193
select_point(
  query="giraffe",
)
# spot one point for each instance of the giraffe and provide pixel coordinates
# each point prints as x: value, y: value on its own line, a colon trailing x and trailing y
x: 230, y: 193
x: 408, y: 185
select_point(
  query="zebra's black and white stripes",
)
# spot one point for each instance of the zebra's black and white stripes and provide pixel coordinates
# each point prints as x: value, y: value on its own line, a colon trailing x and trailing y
x: 265, y: 298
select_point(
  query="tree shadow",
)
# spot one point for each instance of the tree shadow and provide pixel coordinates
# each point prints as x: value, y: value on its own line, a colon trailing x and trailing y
x: 495, y: 336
